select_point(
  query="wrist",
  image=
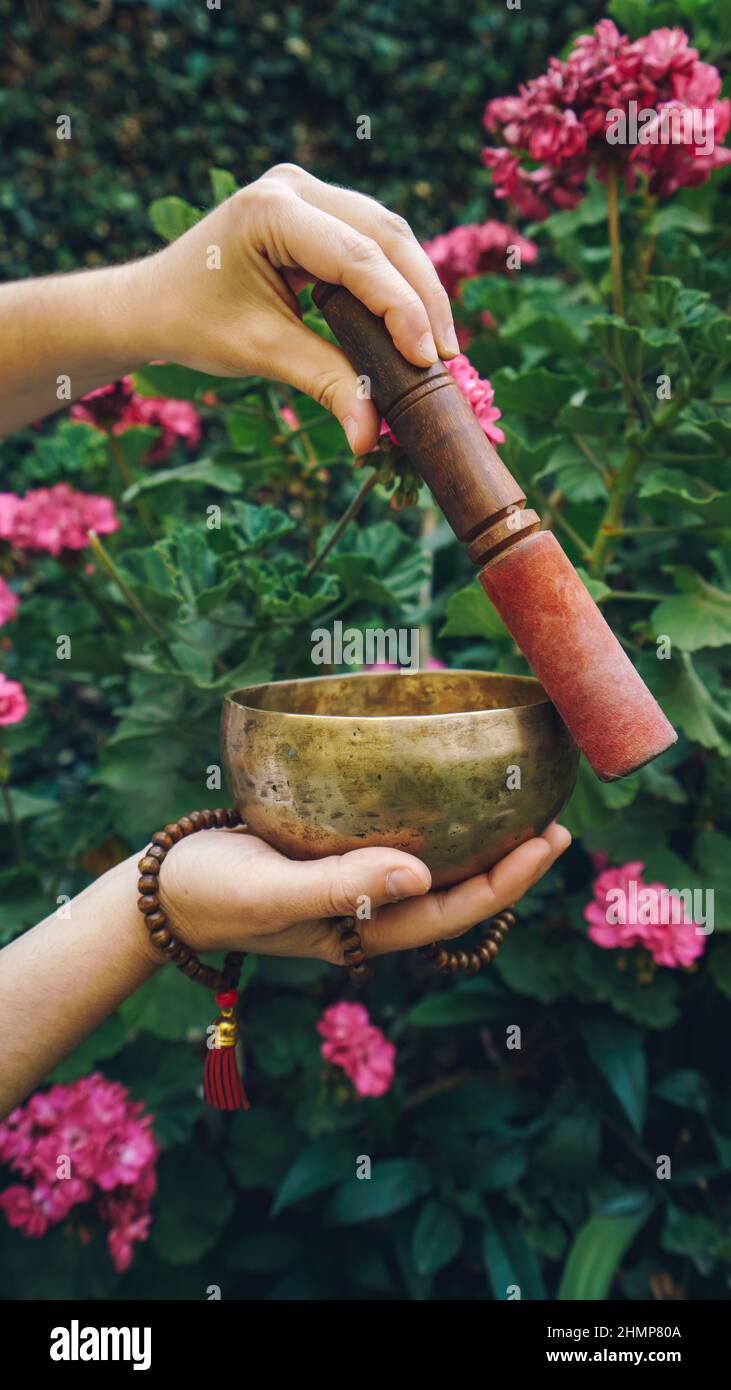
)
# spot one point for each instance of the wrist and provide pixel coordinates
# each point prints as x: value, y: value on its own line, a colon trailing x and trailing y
x: 128, y: 326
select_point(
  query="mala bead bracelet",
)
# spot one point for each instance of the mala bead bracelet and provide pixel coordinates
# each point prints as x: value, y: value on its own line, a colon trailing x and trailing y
x: 450, y: 962
x: 222, y: 1085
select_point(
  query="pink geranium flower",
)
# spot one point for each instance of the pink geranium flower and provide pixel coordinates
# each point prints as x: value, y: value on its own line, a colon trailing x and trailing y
x: 562, y: 118
x: 54, y: 518
x: 359, y: 1047
x: 87, y: 1142
x: 627, y: 912
x: 475, y: 249
x: 13, y: 701
x: 118, y: 407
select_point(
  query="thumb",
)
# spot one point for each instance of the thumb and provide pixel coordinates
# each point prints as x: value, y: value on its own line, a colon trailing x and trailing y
x: 348, y: 884
x: 320, y: 369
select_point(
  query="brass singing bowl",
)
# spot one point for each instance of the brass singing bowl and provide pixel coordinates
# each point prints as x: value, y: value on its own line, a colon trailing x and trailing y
x: 456, y: 767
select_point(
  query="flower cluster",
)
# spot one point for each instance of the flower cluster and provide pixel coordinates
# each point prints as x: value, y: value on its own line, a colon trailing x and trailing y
x: 359, y: 1047
x: 118, y: 407
x: 479, y: 393
x: 76, y: 1144
x: 13, y: 701
x: 476, y: 249
x: 563, y: 120
x: 54, y: 518
x: 628, y: 912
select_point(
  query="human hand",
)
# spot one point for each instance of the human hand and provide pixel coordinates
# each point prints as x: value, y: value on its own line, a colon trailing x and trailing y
x: 272, y: 237
x: 228, y: 890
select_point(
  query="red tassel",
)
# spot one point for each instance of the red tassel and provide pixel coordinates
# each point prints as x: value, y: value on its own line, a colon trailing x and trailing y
x: 222, y: 1085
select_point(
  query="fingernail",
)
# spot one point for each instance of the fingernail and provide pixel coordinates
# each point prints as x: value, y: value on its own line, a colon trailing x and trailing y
x: 567, y: 833
x: 451, y: 342
x: 404, y: 883
x: 428, y: 348
x: 351, y: 430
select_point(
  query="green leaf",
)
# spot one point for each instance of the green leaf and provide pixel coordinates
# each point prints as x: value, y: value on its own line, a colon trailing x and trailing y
x: 676, y: 218
x: 437, y: 1237
x: 691, y: 1234
x: 318, y: 1167
x: 597, y: 1251
x: 195, y: 1205
x: 204, y: 473
x: 223, y: 183
x: 536, y: 392
x: 620, y: 342
x: 469, y: 613
x: 713, y: 854
x: 166, y: 1007
x: 673, y: 482
x: 686, y: 699
x: 172, y: 216
x: 509, y: 1261
x: 255, y: 527
x: 617, y: 1052
x: 453, y: 1009
x: 700, y: 616
x: 597, y: 588
x: 687, y: 1089
x: 594, y: 803
x: 394, y: 1184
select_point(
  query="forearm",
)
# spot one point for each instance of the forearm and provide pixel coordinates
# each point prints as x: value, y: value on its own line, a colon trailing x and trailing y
x: 68, y: 334
x: 61, y: 979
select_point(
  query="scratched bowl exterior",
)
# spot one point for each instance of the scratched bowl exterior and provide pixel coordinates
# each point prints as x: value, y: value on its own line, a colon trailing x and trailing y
x: 420, y: 762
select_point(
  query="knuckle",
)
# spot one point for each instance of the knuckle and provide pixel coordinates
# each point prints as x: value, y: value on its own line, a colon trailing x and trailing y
x: 341, y: 896
x: 397, y: 225
x: 362, y: 250
x: 323, y: 387
x: 288, y: 173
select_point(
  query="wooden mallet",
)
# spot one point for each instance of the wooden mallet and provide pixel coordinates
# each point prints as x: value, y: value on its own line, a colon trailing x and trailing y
x: 611, y: 714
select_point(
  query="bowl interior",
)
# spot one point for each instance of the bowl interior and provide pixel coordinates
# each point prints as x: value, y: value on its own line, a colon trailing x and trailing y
x: 376, y: 695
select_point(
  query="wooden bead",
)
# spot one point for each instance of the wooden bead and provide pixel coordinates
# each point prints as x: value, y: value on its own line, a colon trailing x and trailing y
x: 452, y: 965
x: 148, y: 883
x: 487, y: 951
x: 189, y: 967
x: 186, y: 825
x: 219, y: 816
x: 463, y: 960
x: 148, y: 865
x: 207, y: 819
x: 350, y: 940
x: 442, y: 959
x: 148, y: 903
x: 156, y: 852
x: 156, y: 919
x: 354, y: 956
x: 233, y: 817
x: 475, y: 964
x: 174, y: 831
x: 160, y: 938
x: 195, y: 819
x: 162, y: 839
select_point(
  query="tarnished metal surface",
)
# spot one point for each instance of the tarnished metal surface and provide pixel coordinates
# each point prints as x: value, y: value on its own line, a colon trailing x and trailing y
x: 421, y: 761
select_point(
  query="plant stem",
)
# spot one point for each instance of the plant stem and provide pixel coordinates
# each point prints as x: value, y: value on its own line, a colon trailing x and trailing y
x: 614, y: 241
x: 107, y: 563
x: 611, y: 524
x: 350, y: 511
x: 117, y: 456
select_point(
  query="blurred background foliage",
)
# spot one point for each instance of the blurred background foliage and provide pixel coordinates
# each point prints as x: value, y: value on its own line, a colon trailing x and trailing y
x: 491, y: 1168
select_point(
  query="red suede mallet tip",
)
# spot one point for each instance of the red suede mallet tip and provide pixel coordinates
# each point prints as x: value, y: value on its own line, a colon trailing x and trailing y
x: 606, y: 706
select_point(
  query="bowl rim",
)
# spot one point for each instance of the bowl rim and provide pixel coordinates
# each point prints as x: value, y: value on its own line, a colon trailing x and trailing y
x: 230, y: 699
